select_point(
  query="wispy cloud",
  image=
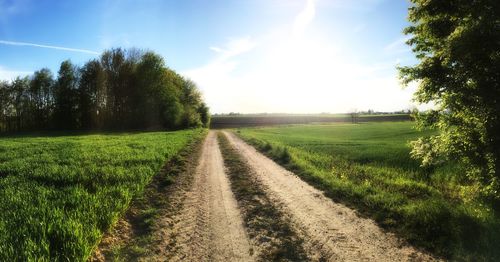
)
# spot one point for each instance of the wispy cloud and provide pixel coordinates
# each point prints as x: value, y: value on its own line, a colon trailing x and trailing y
x: 234, y: 47
x: 14, y: 43
x: 8, y: 75
x: 304, y: 18
x: 398, y: 45
x: 225, y: 61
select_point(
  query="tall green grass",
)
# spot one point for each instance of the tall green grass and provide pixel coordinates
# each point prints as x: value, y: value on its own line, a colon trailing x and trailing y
x: 368, y: 166
x: 58, y: 195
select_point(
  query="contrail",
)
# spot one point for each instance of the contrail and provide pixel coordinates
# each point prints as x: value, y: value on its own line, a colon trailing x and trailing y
x: 49, y: 46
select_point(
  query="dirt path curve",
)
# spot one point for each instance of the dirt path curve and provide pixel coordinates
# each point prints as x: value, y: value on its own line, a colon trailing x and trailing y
x: 209, y: 226
x: 332, y: 231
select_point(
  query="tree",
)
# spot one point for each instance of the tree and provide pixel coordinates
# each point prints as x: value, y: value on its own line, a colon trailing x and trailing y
x: 458, y: 47
x: 66, y: 97
x: 150, y: 84
x: 191, y: 99
x: 92, y: 89
x: 172, y: 106
x: 5, y: 105
x: 121, y: 90
x: 204, y: 112
x: 19, y: 95
x: 41, y: 94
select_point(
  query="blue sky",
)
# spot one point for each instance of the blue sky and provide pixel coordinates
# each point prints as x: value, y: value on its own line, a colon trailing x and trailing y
x: 298, y: 56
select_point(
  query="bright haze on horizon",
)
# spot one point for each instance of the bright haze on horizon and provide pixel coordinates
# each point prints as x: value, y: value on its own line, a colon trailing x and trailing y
x: 295, y: 56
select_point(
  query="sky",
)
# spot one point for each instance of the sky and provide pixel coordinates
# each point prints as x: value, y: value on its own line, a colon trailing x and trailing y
x: 247, y: 56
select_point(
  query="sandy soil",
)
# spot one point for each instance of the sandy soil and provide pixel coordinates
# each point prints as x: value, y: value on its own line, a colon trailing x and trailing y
x: 209, y: 226
x: 332, y: 231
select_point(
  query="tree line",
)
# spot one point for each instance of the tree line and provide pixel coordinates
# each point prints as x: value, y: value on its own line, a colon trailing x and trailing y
x: 122, y: 89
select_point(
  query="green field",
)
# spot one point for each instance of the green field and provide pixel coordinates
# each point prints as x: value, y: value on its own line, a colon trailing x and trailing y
x: 367, y: 166
x: 58, y: 194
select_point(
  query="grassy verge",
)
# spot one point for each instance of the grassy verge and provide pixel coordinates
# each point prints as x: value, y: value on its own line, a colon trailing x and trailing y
x: 58, y: 194
x: 132, y: 238
x: 367, y: 167
x: 266, y: 224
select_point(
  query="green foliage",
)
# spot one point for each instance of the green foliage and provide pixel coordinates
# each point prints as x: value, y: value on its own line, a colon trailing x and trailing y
x: 66, y: 97
x: 41, y: 97
x: 368, y: 166
x: 92, y: 100
x: 204, y: 114
x: 60, y: 194
x: 458, y: 47
x: 124, y: 89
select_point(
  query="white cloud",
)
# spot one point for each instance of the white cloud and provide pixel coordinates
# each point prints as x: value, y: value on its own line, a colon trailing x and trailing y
x: 9, y: 75
x: 14, y: 43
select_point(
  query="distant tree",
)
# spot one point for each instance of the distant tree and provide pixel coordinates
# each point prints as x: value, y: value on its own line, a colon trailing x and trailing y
x: 119, y: 66
x: 354, y: 116
x: 191, y: 99
x: 66, y: 112
x: 123, y: 89
x: 458, y: 47
x: 92, y: 89
x: 19, y: 95
x: 5, y: 105
x: 172, y: 106
x: 203, y: 110
x: 156, y: 95
x: 112, y: 61
x: 41, y: 94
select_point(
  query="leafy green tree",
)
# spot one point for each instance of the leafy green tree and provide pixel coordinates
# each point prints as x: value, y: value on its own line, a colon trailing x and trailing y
x: 151, y: 82
x: 5, y: 105
x: 41, y: 86
x: 20, y: 101
x: 171, y: 108
x: 66, y: 97
x: 204, y: 112
x: 92, y: 88
x: 458, y: 47
x: 119, y: 66
x: 191, y: 99
x: 123, y: 89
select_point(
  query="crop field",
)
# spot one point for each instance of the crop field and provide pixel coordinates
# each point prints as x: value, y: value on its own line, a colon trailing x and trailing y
x: 367, y: 166
x: 249, y: 120
x: 58, y: 194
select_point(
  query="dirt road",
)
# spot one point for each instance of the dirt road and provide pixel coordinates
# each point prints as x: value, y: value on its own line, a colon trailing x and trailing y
x: 208, y: 227
x: 331, y: 231
x: 276, y: 216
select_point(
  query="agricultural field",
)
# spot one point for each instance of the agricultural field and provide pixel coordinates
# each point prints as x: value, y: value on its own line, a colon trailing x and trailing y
x: 367, y: 166
x: 59, y: 194
x: 249, y: 120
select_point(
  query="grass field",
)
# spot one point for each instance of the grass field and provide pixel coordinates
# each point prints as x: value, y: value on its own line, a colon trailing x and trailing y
x: 58, y: 194
x: 249, y: 120
x: 367, y: 166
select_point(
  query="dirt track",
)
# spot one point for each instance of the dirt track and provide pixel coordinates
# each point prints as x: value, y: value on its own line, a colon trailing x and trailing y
x: 209, y: 226
x: 332, y: 231
x: 201, y: 219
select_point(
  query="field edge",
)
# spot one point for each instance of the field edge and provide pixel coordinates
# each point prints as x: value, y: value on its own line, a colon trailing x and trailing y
x: 130, y: 236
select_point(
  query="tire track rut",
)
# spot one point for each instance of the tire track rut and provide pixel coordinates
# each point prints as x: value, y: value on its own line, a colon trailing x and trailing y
x: 208, y: 227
